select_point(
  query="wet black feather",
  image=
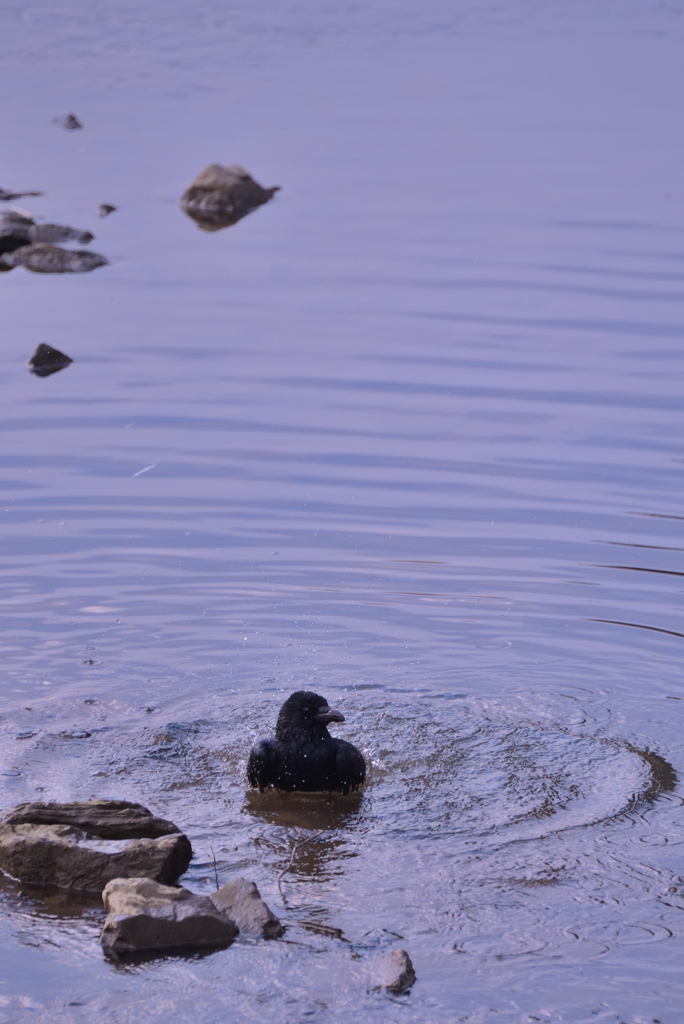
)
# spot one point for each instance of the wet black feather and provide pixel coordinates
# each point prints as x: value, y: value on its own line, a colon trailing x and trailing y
x: 302, y: 755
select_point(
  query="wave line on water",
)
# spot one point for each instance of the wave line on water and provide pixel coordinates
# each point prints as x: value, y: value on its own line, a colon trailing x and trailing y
x: 145, y: 470
x: 637, y: 625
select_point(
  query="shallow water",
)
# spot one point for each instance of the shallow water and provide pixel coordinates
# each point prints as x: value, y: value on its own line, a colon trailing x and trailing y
x: 410, y: 435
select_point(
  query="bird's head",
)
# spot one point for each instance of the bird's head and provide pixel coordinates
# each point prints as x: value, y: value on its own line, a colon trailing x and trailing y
x: 305, y: 711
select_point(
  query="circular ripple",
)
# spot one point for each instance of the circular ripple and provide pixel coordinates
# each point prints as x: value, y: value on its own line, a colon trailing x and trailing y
x: 477, y: 771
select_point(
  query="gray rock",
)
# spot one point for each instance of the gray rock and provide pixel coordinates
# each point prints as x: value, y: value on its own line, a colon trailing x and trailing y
x: 143, y: 915
x: 67, y: 856
x: 221, y: 196
x: 104, y: 209
x: 242, y: 902
x: 107, y: 819
x: 22, y: 225
x: 52, y: 233
x: 394, y: 971
x: 51, y: 259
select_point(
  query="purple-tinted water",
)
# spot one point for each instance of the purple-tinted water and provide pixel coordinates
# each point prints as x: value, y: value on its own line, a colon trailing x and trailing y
x: 412, y: 436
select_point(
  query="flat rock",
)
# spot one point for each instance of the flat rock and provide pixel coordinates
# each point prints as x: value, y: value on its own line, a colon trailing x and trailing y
x: 221, y: 196
x: 6, y: 195
x: 394, y: 971
x: 242, y: 902
x: 67, y: 856
x: 107, y: 819
x: 143, y: 915
x: 42, y: 258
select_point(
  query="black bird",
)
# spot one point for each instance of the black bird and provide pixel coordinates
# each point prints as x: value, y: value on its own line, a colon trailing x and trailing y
x: 303, y: 756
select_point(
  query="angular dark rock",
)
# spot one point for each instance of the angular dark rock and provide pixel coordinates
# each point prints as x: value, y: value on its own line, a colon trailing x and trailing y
x: 394, y: 971
x: 106, y: 819
x: 46, y: 361
x: 221, y: 196
x: 67, y: 856
x: 143, y: 915
x: 104, y: 209
x: 242, y: 902
x: 51, y: 259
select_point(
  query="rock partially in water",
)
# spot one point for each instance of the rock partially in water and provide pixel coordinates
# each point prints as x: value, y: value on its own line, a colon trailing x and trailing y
x: 104, y: 209
x: 23, y: 226
x: 241, y: 901
x: 69, y: 857
x: 51, y: 259
x: 143, y: 915
x: 106, y: 819
x: 83, y: 845
x: 47, y: 360
x: 7, y: 196
x: 394, y: 971
x: 69, y: 122
x: 221, y: 196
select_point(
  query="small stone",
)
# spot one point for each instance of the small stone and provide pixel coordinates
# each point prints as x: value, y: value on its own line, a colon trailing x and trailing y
x: 70, y: 122
x: 42, y: 258
x: 104, y: 209
x: 242, y: 902
x: 221, y: 196
x: 47, y: 360
x: 394, y: 971
x: 143, y: 915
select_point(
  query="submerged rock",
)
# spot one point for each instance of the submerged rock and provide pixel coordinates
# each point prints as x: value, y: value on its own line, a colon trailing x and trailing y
x: 107, y: 819
x: 85, y: 845
x: 44, y: 362
x: 143, y: 915
x: 70, y: 122
x: 104, y: 209
x: 51, y: 259
x: 221, y: 196
x: 242, y: 902
x: 394, y: 971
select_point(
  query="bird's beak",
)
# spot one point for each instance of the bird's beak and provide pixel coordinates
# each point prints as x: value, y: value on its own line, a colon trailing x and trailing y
x: 326, y: 715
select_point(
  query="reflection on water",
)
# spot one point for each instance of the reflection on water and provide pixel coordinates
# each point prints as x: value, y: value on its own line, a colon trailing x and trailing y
x: 382, y: 442
x: 313, y: 811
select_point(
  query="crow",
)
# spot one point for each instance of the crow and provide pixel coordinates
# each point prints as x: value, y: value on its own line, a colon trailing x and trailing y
x: 303, y: 756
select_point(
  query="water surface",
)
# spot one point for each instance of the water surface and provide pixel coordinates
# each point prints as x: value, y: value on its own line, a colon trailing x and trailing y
x: 411, y: 436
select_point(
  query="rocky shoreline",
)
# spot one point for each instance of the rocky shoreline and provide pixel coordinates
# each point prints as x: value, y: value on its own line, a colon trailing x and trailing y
x: 134, y: 859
